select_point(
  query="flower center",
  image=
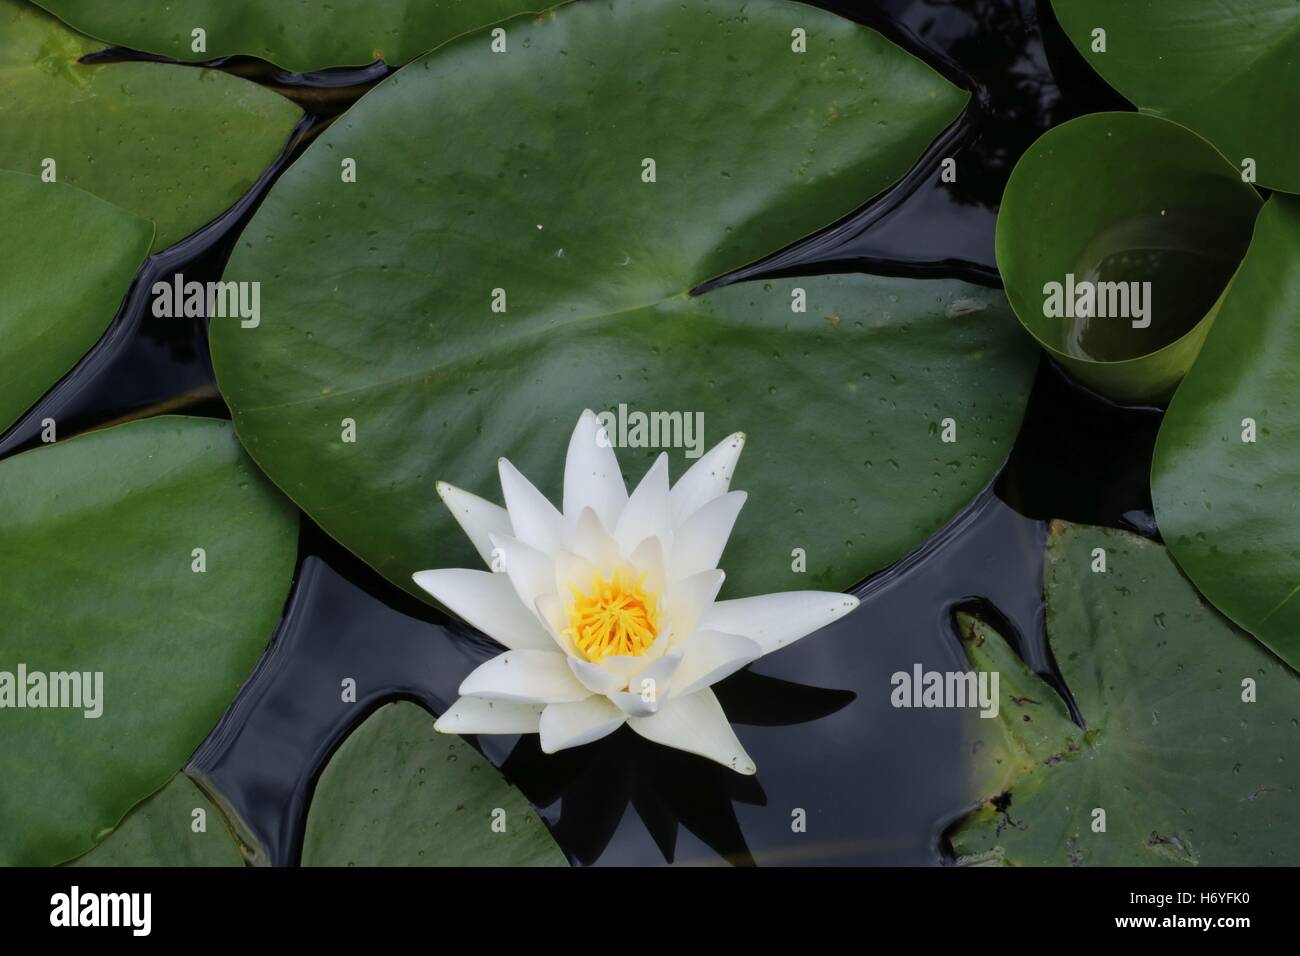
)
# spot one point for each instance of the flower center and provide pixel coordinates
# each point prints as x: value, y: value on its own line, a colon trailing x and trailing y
x: 614, y: 617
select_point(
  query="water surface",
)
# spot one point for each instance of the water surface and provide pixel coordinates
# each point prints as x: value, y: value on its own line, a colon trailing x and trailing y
x: 878, y: 784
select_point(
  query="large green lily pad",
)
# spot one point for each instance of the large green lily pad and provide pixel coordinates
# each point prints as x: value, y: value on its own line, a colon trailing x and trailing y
x: 177, y: 826
x: 1186, y: 770
x: 1227, y: 506
x: 525, y: 173
x: 1144, y: 217
x: 297, y: 36
x: 98, y: 567
x: 173, y: 144
x: 66, y: 261
x: 396, y: 793
x: 1229, y: 69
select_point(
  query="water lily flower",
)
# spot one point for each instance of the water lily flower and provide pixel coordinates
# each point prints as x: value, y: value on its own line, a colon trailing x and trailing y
x: 607, y: 607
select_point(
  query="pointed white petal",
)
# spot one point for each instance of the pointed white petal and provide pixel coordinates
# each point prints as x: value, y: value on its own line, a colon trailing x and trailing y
x: 646, y: 513
x: 648, y: 689
x: 631, y: 665
x: 537, y: 677
x: 697, y: 725
x: 572, y: 573
x: 709, y: 656
x: 486, y: 601
x: 474, y: 715
x: 632, y: 704
x: 597, y: 679
x: 551, y: 613
x: 687, y: 601
x: 648, y: 559
x: 708, y: 478
x: 531, y: 572
x: 534, y: 519
x: 660, y: 671
x: 701, y: 538
x: 777, y: 620
x: 594, y: 544
x: 575, y: 724
x: 591, y: 475
x: 477, y: 517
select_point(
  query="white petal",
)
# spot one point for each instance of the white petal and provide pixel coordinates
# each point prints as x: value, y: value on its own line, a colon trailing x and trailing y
x: 632, y: 704
x: 687, y: 601
x: 701, y: 538
x: 708, y: 478
x: 709, y: 656
x: 575, y: 724
x: 633, y: 664
x: 531, y: 572
x: 551, y: 612
x: 661, y: 671
x: 477, y: 517
x: 697, y: 725
x: 591, y: 475
x: 534, y: 519
x: 486, y: 601
x: 538, y: 677
x: 646, y: 513
x: 572, y: 573
x: 594, y: 544
x: 597, y: 679
x: 648, y: 689
x: 474, y: 715
x: 776, y: 620
x: 648, y: 559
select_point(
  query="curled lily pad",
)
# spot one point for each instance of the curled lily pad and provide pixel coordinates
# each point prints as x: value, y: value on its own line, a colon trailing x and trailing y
x: 173, y: 144
x: 177, y: 826
x: 396, y: 793
x: 296, y: 36
x: 1117, y: 236
x: 144, y: 568
x: 1186, y: 753
x: 475, y: 299
x: 1229, y: 70
x: 1225, y: 471
x: 66, y: 261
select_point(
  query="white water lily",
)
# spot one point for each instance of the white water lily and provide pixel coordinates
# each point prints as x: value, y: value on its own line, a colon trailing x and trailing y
x: 608, y: 608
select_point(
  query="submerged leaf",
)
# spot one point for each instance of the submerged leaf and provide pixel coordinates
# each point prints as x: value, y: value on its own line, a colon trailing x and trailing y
x: 147, y: 638
x: 396, y: 793
x: 1190, y: 726
x: 177, y: 826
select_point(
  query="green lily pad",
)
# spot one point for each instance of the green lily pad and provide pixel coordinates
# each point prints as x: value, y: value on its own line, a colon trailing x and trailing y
x: 1227, y: 505
x: 173, y: 144
x: 177, y: 826
x: 295, y: 36
x: 1229, y: 70
x: 98, y: 566
x: 1186, y: 770
x: 66, y: 261
x: 396, y: 793
x: 544, y: 197
x: 1146, y: 215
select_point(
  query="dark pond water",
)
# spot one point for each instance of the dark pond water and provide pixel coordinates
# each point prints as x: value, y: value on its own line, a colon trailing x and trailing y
x: 879, y: 785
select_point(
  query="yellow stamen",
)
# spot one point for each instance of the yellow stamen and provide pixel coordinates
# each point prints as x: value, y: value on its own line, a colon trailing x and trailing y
x: 614, y: 617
